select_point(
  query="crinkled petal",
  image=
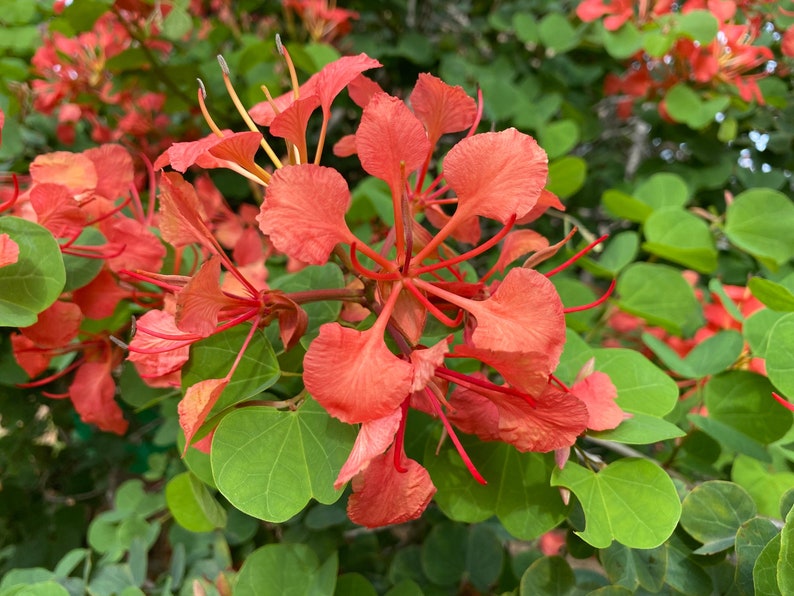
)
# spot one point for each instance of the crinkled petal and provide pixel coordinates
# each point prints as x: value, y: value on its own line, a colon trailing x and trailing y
x: 156, y: 357
x: 338, y: 74
x: 201, y: 300
x: 98, y: 299
x: 526, y: 371
x: 525, y: 314
x: 9, y: 250
x: 353, y: 375
x: 496, y: 174
x: 182, y: 214
x: 304, y: 212
x: 181, y: 156
x: 238, y: 148
x: 32, y: 359
x: 442, y: 108
x: 473, y: 413
x: 292, y: 122
x: 56, y: 326
x: 426, y: 361
x: 383, y: 496
x: 114, y: 168
x: 75, y: 171
x: 92, y: 393
x: 57, y: 210
x: 390, y: 141
x: 599, y: 394
x: 361, y: 89
x: 546, y: 200
x: 554, y: 422
x: 374, y: 437
x: 142, y: 249
x: 519, y: 243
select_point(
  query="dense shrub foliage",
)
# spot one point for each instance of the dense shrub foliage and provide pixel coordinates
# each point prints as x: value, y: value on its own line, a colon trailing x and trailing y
x: 398, y: 298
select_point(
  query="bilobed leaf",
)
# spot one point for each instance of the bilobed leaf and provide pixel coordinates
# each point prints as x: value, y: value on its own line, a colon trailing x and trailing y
x: 277, y: 569
x: 192, y: 505
x: 268, y: 463
x: 765, y: 569
x: 617, y: 501
x: 548, y: 576
x: 760, y: 221
x: 765, y: 485
x: 642, y: 387
x: 624, y: 42
x: 715, y: 354
x: 780, y: 355
x: 620, y: 250
x: 526, y: 27
x: 662, y: 191
x: 640, y: 429
x: 35, y: 281
x: 757, y: 327
x: 785, y: 562
x: 635, y: 568
x: 774, y: 295
x: 661, y: 296
x: 211, y: 358
x: 557, y: 34
x: 625, y: 206
x: 559, y: 137
x: 752, y: 537
x: 676, y: 235
x: 698, y: 25
x: 566, y: 175
x: 713, y: 512
x: 517, y: 492
x: 742, y: 400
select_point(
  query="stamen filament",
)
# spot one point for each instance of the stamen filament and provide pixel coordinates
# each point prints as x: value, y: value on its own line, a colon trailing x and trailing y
x: 202, y: 93
x: 432, y: 308
x: 399, y: 441
x: 390, y: 276
x: 577, y: 256
x: 593, y: 304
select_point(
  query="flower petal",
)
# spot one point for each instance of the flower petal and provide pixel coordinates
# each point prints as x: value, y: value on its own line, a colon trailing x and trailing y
x: 374, y: 437
x: 383, y: 496
x: 197, y: 404
x: 441, y: 108
x: 201, y: 300
x: 496, y: 174
x: 304, y: 212
x: 338, y: 74
x: 183, y: 216
x: 9, y: 250
x: 92, y: 393
x: 599, y: 394
x: 353, y: 375
x: 390, y: 140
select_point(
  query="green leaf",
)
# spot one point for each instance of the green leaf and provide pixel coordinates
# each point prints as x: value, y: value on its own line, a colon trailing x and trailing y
x: 765, y: 569
x: 716, y: 287
x: 625, y: 206
x: 757, y: 327
x: 699, y: 25
x: 731, y: 438
x: 661, y: 296
x: 321, y: 54
x: 679, y: 236
x: 743, y: 401
x: 325, y: 277
x: 526, y: 28
x: 657, y: 43
x: 620, y: 251
x: 557, y: 34
x: 518, y: 490
x: 765, y: 485
x: 278, y: 569
x: 192, y: 505
x: 354, y: 584
x: 709, y: 357
x: 663, y: 190
x: 785, y: 561
x: 713, y: 513
x: 683, y: 573
x: 177, y: 24
x: 685, y: 105
x: 640, y: 429
x: 760, y: 221
x: 548, y: 576
x: 633, y: 568
x: 566, y: 176
x: 752, y: 537
x: 617, y: 501
x: 642, y: 387
x: 35, y: 281
x: 780, y: 355
x: 17, y: 13
x: 774, y: 295
x: 559, y: 137
x: 269, y: 463
x: 211, y: 358
x: 623, y: 43
x: 453, y: 552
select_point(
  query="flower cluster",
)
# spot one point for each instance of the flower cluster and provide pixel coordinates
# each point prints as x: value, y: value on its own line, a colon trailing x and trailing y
x: 510, y: 331
x: 731, y: 59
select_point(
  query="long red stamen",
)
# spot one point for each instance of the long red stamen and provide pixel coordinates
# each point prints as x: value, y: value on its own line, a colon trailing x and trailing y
x: 399, y: 441
x: 118, y: 208
x: 562, y: 385
x: 10, y: 202
x: 52, y: 377
x: 392, y: 276
x: 471, y: 382
x: 783, y: 402
x: 471, y: 253
x: 577, y: 256
x: 432, y: 308
x: 169, y: 336
x: 598, y: 302
x: 455, y: 441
